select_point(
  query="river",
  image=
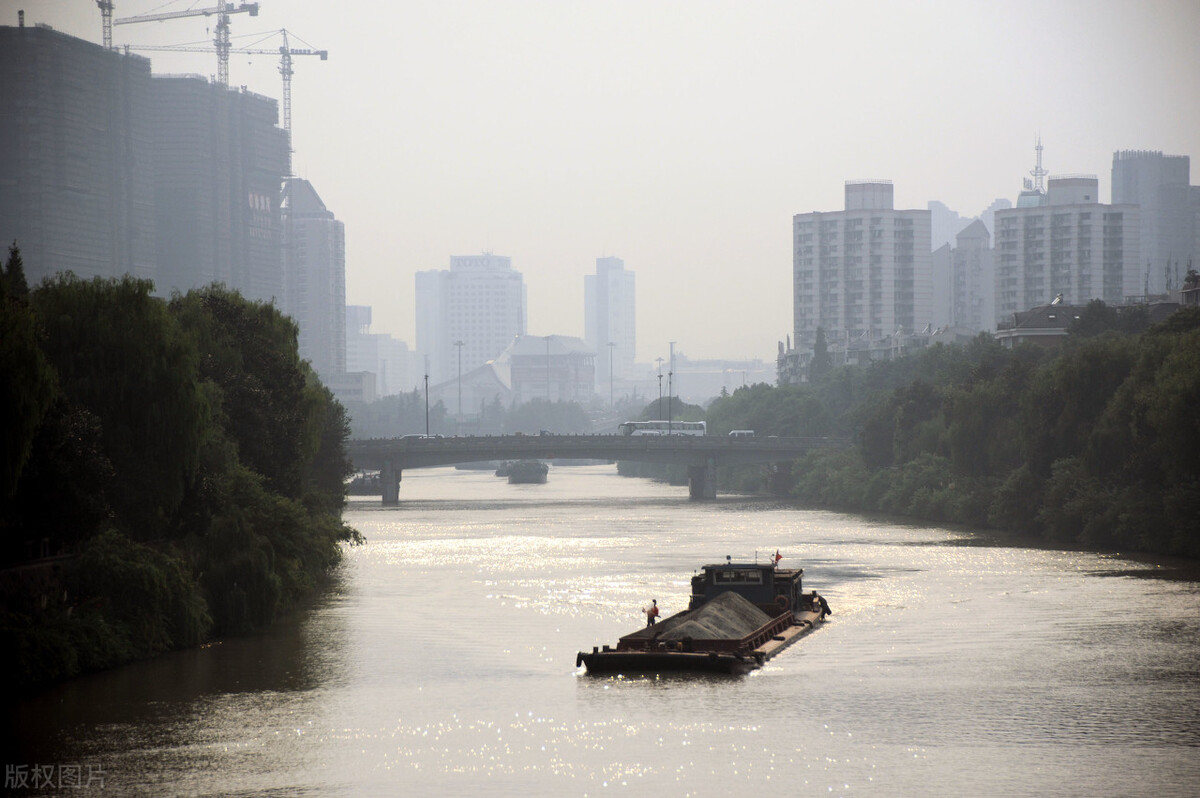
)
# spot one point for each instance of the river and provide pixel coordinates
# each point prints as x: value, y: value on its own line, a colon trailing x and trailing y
x: 441, y: 661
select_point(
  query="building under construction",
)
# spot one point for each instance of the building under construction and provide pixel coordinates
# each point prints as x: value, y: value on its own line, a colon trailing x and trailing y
x: 77, y: 181
x: 106, y: 170
x: 219, y: 161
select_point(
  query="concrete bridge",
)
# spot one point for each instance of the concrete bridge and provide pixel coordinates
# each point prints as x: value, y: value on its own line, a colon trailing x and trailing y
x: 700, y: 453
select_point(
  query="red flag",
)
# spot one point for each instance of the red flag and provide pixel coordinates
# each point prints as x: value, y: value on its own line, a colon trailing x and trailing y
x: 778, y: 556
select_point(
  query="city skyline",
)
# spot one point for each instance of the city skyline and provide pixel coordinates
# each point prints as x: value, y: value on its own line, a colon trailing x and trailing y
x: 681, y: 137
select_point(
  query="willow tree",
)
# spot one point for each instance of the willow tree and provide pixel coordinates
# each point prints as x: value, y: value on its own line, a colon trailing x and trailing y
x: 120, y: 355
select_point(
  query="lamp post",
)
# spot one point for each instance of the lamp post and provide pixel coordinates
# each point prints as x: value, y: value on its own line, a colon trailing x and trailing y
x: 611, y: 347
x: 427, y: 396
x: 547, y: 369
x: 670, y: 391
x: 460, y: 345
x: 660, y: 388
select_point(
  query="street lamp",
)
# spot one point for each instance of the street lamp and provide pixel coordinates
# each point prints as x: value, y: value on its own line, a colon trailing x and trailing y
x: 460, y: 345
x: 427, y: 396
x: 611, y: 347
x: 660, y: 362
x: 670, y: 388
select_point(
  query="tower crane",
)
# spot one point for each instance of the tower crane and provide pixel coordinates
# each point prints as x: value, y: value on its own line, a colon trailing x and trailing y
x: 106, y: 9
x: 222, y: 10
x: 285, y: 53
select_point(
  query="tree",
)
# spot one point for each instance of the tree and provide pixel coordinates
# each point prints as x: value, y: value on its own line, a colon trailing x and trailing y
x: 27, y: 390
x: 249, y: 352
x: 821, y: 363
x: 14, y: 283
x: 120, y: 355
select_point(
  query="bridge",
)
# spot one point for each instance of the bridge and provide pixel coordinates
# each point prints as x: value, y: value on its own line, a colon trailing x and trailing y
x: 700, y: 453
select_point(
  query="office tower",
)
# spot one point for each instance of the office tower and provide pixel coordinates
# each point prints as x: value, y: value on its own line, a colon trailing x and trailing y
x: 863, y: 272
x: 609, y: 318
x: 1066, y: 243
x: 469, y: 314
x: 314, y: 249
x: 1169, y: 207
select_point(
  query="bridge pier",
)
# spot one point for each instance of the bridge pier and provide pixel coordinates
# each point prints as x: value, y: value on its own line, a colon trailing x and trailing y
x: 389, y: 480
x: 702, y: 481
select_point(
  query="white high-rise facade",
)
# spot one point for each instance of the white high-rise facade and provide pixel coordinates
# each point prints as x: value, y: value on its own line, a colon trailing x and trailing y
x: 468, y: 315
x: 609, y: 306
x: 1065, y: 242
x: 861, y: 273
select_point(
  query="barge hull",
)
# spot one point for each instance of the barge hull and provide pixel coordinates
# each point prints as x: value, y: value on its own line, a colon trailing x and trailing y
x: 666, y: 661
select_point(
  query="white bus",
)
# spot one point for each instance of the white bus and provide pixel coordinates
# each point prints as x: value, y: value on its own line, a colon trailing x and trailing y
x: 663, y: 428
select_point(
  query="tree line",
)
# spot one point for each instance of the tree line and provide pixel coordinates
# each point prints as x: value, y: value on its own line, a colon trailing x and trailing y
x: 1096, y: 443
x: 172, y: 471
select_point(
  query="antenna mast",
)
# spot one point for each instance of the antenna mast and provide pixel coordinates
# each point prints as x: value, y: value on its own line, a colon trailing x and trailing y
x: 1038, y: 172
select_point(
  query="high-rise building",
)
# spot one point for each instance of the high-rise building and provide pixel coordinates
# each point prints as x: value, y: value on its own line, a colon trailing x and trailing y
x: 469, y: 314
x: 379, y: 354
x: 609, y: 318
x: 76, y: 176
x: 862, y: 273
x: 1065, y: 243
x: 106, y: 170
x: 973, y: 279
x: 219, y: 163
x: 1169, y: 207
x: 314, y: 252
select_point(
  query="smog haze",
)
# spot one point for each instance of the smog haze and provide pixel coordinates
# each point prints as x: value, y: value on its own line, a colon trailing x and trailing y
x: 678, y: 136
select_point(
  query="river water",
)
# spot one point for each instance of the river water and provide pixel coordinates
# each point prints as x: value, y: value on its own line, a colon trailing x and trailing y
x: 442, y: 662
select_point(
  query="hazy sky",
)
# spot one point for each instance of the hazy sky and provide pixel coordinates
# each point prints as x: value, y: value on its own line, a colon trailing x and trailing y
x: 679, y: 136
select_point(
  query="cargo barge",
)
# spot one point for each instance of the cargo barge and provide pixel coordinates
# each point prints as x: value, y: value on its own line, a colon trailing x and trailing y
x: 527, y: 472
x: 740, y: 615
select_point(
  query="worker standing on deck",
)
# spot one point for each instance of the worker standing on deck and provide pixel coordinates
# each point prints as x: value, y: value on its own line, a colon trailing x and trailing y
x: 651, y: 613
x: 821, y: 605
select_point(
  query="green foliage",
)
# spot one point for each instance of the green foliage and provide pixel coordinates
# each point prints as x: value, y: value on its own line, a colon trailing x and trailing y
x: 1095, y: 444
x: 1098, y: 318
x: 194, y: 428
x: 119, y: 354
x: 249, y: 352
x: 538, y: 414
x: 821, y: 363
x: 793, y: 410
x: 27, y: 390
x: 401, y: 414
x: 12, y: 281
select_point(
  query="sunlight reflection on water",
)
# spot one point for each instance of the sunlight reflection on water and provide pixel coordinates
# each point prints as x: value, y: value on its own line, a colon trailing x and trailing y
x: 444, y: 661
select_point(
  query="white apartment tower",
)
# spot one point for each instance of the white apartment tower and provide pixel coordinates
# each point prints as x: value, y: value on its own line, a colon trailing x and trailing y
x: 1065, y: 242
x: 468, y: 315
x: 861, y: 273
x: 608, y: 313
x: 314, y: 256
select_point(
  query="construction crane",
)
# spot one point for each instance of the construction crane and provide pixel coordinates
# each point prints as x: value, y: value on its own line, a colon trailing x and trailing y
x: 221, y: 42
x: 106, y: 9
x: 285, y: 53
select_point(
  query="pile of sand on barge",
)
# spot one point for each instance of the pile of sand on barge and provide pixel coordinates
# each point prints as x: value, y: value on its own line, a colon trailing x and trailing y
x: 728, y: 616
